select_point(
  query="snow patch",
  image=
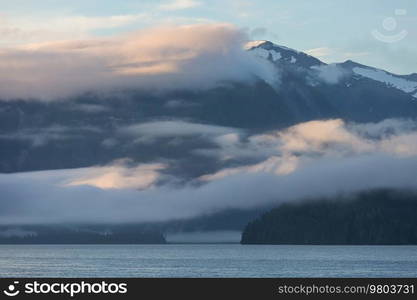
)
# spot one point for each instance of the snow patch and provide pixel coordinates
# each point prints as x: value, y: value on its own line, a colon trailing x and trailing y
x: 293, y: 60
x: 390, y: 80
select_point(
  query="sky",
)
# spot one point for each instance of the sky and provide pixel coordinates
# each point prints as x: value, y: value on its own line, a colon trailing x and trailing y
x: 380, y: 33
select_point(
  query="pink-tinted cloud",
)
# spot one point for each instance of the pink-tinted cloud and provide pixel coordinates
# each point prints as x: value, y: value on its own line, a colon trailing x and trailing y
x: 189, y: 56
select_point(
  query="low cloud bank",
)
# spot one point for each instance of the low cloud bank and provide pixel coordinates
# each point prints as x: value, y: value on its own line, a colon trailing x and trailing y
x: 189, y: 57
x: 313, y: 159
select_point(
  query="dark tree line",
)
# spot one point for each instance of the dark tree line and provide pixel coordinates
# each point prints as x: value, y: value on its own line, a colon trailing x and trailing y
x: 380, y: 217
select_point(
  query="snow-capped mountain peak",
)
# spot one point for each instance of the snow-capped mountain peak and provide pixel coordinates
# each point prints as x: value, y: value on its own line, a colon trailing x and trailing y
x: 286, y: 57
x: 282, y: 54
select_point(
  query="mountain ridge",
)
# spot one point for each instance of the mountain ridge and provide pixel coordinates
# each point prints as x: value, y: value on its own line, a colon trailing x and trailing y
x: 83, y: 127
x: 181, y: 129
x: 281, y: 54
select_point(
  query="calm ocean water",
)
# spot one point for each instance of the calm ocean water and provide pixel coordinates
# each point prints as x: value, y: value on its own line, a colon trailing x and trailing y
x: 207, y: 261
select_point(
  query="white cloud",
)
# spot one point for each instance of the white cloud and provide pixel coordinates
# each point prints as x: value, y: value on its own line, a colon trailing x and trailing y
x: 317, y: 136
x: 190, y: 56
x: 336, y: 137
x: 118, y: 176
x: 330, y: 74
x: 283, y: 152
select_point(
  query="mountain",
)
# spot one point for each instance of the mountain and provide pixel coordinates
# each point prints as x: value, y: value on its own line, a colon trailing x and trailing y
x: 312, y: 89
x: 380, y: 217
x: 96, y: 129
x: 79, y: 132
x: 282, y: 55
x: 344, y: 72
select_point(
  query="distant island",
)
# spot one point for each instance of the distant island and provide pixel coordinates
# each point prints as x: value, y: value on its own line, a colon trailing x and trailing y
x: 78, y: 234
x: 380, y: 217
